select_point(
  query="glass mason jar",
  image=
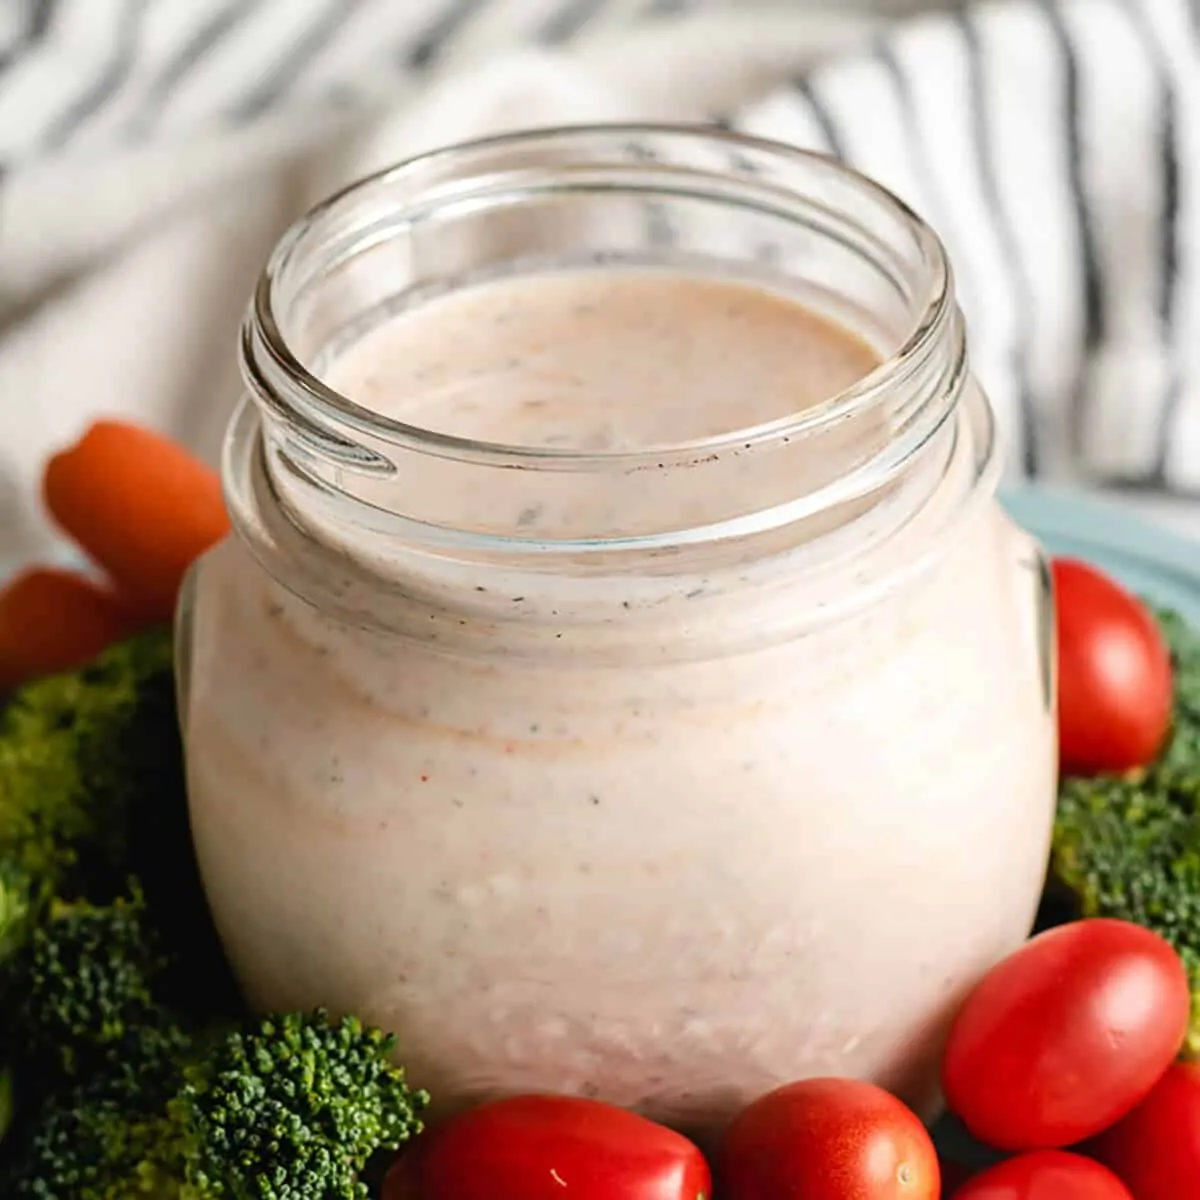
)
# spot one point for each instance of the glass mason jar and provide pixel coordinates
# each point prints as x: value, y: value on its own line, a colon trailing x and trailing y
x: 747, y: 779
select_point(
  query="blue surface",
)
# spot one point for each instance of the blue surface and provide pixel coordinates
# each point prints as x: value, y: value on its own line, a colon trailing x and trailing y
x: 1148, y: 559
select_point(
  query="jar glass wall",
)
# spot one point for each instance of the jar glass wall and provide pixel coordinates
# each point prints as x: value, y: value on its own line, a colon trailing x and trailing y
x: 665, y: 732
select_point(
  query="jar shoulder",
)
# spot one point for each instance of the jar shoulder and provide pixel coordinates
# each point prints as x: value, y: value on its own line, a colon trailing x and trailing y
x: 976, y: 628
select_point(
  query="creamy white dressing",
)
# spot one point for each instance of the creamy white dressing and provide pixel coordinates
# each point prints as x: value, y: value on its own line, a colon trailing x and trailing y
x: 671, y: 878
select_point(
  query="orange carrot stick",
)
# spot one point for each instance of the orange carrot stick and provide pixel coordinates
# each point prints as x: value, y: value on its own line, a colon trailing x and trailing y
x: 54, y: 620
x: 140, y: 505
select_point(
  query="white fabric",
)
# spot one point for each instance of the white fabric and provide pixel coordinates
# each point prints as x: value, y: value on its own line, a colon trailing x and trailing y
x: 142, y: 188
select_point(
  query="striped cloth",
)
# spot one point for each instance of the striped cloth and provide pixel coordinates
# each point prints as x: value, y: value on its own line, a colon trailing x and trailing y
x: 151, y: 151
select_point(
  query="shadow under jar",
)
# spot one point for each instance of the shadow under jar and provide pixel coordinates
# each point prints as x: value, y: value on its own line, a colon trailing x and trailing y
x: 621, y: 679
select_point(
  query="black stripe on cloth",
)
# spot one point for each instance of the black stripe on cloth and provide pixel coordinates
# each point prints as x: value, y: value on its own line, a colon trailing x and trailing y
x: 38, y: 18
x: 1167, y: 138
x: 821, y: 114
x: 281, y: 77
x: 90, y: 103
x: 1093, y: 292
x: 1094, y: 301
x: 437, y: 35
x: 203, y: 45
x: 964, y: 21
x: 568, y: 21
x: 1168, y: 161
x: 918, y: 152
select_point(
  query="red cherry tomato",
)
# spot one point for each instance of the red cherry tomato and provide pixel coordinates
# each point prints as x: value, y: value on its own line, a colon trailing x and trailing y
x: 1114, y: 674
x: 1156, y: 1148
x: 551, y: 1148
x: 828, y: 1139
x: 1045, y: 1175
x: 1065, y: 1036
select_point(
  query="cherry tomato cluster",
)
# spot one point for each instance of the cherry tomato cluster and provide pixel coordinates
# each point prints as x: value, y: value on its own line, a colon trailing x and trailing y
x: 820, y: 1139
x: 1063, y: 1058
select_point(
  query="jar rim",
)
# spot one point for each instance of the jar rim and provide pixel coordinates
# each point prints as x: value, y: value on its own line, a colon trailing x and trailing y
x: 932, y: 311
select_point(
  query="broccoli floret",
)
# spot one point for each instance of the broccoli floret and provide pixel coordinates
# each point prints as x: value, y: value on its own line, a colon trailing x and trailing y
x: 1182, y: 754
x: 122, y: 1090
x: 135, y: 1074
x: 286, y: 1108
x: 103, y: 1138
x: 79, y: 753
x: 91, y: 793
x: 95, y: 1055
x: 1129, y: 846
x: 84, y: 1144
x: 1131, y: 849
x: 84, y: 989
x: 294, y: 1106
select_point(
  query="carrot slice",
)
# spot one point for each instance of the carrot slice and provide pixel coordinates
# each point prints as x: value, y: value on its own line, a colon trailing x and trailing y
x: 140, y: 505
x: 54, y: 620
